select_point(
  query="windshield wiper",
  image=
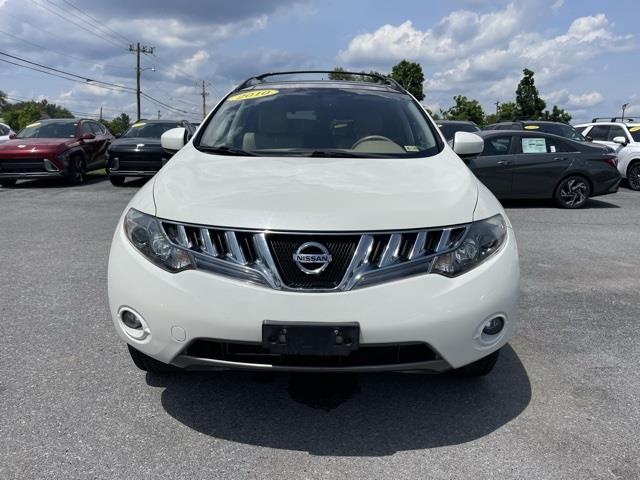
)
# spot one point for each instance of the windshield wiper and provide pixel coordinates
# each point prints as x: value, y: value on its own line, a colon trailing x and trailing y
x: 331, y: 153
x: 225, y: 150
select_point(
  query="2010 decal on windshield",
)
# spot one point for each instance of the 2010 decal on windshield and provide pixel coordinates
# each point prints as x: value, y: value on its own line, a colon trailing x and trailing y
x: 251, y: 95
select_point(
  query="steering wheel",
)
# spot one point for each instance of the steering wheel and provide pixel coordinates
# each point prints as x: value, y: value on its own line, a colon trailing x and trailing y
x: 377, y: 138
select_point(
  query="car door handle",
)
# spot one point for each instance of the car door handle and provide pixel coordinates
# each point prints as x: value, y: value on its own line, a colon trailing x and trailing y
x: 560, y: 158
x: 504, y: 162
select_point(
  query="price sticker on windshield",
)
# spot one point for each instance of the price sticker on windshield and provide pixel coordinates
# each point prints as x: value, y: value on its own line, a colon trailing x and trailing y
x: 634, y: 129
x: 252, y: 95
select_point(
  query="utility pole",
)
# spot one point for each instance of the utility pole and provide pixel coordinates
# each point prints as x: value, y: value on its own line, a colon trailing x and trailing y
x: 158, y: 114
x: 100, y: 113
x: 137, y: 49
x: 497, y: 106
x: 624, y: 107
x: 204, y: 101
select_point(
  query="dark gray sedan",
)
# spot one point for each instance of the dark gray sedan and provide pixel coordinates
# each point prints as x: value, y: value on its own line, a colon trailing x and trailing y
x: 522, y: 164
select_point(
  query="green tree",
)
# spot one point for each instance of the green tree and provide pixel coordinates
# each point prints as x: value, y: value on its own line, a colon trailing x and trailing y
x: 3, y: 101
x: 465, y: 109
x: 19, y: 115
x: 528, y: 99
x: 118, y: 125
x: 410, y: 76
x: 557, y: 114
x: 507, y: 112
x: 338, y: 74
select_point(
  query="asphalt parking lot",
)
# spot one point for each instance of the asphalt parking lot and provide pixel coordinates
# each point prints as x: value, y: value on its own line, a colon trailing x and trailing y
x: 561, y: 403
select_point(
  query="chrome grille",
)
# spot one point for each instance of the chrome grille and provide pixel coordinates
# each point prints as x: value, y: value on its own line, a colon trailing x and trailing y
x: 358, y: 259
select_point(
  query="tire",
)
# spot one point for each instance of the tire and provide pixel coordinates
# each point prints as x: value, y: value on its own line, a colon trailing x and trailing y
x: 8, y: 182
x: 572, y: 192
x: 479, y: 368
x: 633, y: 176
x: 116, y: 181
x: 148, y: 364
x: 78, y: 171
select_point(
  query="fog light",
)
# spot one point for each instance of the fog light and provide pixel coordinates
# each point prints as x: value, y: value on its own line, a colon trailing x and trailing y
x: 493, y: 326
x: 130, y: 320
x: 49, y: 166
x: 133, y: 324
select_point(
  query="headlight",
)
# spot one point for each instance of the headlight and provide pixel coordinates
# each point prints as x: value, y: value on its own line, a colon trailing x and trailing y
x: 482, y: 240
x: 146, y: 235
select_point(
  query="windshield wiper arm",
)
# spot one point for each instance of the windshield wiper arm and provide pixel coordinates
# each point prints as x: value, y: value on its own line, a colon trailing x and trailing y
x: 225, y: 150
x: 332, y: 153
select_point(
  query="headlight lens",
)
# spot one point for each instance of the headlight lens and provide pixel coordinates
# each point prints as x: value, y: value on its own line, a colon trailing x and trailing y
x: 146, y: 235
x: 482, y: 240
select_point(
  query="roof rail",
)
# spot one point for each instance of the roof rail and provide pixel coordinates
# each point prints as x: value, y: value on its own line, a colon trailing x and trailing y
x: 381, y: 79
x: 613, y: 119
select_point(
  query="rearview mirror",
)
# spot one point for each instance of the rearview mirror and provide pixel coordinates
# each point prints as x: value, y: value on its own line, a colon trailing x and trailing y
x: 467, y: 144
x: 174, y: 139
x: 621, y: 140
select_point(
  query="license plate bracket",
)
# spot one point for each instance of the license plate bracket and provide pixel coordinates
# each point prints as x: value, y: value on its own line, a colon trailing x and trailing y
x: 310, y: 339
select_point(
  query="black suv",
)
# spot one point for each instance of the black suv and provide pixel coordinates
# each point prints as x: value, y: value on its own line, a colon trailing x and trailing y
x: 138, y: 152
x: 555, y: 128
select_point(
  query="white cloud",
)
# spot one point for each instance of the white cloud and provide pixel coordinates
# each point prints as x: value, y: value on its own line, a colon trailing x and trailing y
x: 585, y: 100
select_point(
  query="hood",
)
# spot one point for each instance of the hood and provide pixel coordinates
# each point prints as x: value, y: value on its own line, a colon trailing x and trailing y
x: 133, y: 142
x: 36, y: 146
x: 315, y: 194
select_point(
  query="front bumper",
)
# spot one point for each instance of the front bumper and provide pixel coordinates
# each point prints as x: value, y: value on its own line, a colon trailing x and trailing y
x: 444, y: 313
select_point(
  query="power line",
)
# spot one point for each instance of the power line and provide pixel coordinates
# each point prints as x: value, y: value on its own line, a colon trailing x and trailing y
x: 72, y: 57
x: 79, y: 78
x: 108, y: 39
x: 99, y: 23
x: 86, y: 79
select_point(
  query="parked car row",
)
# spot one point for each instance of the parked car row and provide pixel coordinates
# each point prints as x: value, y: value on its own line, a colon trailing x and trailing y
x: 69, y: 148
x: 542, y: 159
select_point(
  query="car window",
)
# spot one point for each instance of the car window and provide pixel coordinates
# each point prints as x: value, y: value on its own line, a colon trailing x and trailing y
x: 4, y: 130
x: 85, y: 128
x: 616, y: 131
x: 301, y: 121
x: 599, y: 132
x: 581, y: 130
x: 95, y: 128
x: 634, y: 131
x: 150, y: 130
x: 49, y: 130
x: 534, y: 145
x: 566, y: 131
x: 555, y: 145
x: 497, y: 146
x: 449, y: 129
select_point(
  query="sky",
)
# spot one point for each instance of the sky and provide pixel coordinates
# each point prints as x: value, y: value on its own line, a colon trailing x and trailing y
x: 584, y: 53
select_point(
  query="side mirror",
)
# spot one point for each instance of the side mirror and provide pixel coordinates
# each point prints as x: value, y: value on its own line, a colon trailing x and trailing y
x: 87, y: 136
x: 174, y: 139
x: 12, y: 136
x: 467, y: 144
x: 620, y: 140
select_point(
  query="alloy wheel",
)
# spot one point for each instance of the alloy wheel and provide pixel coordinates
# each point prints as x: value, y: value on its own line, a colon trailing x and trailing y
x: 574, y: 192
x: 633, y: 176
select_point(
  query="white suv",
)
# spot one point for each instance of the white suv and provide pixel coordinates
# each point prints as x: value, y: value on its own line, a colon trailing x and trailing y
x: 315, y: 225
x: 624, y: 137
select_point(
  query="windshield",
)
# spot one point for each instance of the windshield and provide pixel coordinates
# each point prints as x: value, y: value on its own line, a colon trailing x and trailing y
x: 449, y: 129
x: 49, y: 130
x: 320, y: 121
x: 149, y: 130
x: 634, y: 130
x: 560, y: 129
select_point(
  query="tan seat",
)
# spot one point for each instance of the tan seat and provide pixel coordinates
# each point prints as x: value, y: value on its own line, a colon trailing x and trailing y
x: 273, y: 132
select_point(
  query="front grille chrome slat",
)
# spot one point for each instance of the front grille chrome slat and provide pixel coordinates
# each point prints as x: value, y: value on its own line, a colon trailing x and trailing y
x: 354, y: 260
x: 235, y: 252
